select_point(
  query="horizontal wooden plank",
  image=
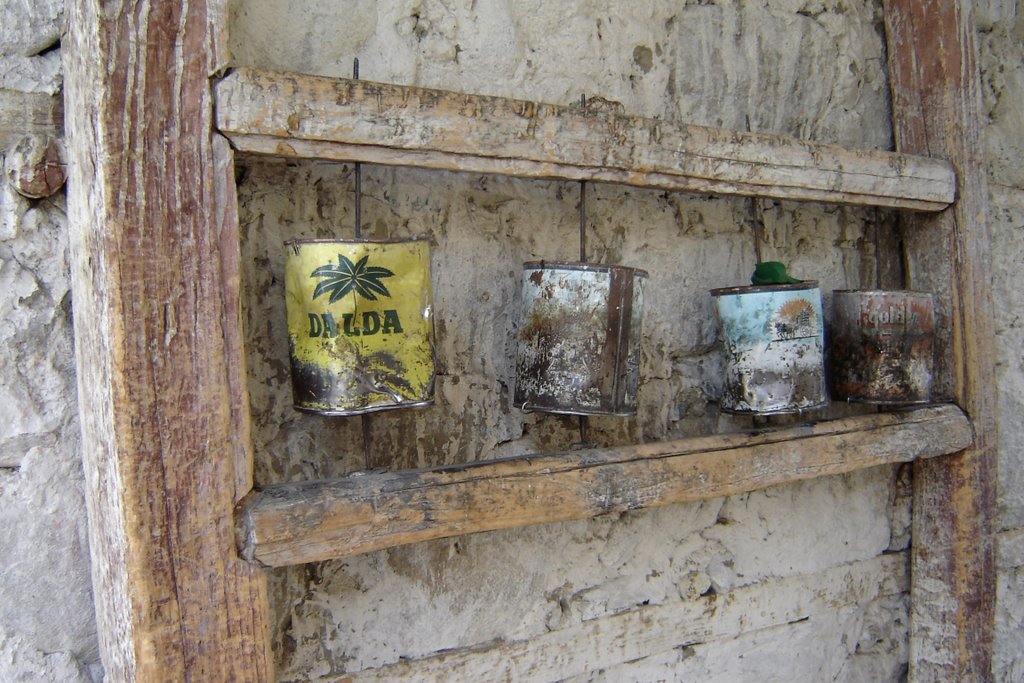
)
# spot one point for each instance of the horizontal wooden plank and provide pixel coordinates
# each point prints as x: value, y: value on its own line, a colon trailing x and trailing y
x: 294, y: 115
x: 295, y: 523
x: 600, y: 644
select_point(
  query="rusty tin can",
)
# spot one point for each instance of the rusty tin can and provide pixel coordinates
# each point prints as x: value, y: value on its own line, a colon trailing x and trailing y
x: 360, y: 326
x: 579, y: 344
x: 773, y: 338
x: 881, y: 346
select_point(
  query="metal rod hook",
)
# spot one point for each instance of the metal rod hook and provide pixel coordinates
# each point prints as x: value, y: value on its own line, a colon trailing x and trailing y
x: 358, y: 172
x: 583, y: 203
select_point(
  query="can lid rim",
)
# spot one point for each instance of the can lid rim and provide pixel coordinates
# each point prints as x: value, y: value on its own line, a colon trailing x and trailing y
x: 757, y: 289
x: 582, y: 265
x: 354, y: 240
x: 882, y: 292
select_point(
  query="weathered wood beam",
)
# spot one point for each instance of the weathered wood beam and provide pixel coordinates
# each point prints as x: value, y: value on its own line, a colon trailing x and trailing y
x: 149, y: 215
x: 936, y: 111
x: 29, y: 114
x: 604, y: 643
x: 293, y: 115
x: 304, y: 522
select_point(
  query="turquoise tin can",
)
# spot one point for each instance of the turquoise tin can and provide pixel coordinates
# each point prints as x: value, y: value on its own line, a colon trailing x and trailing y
x: 773, y: 338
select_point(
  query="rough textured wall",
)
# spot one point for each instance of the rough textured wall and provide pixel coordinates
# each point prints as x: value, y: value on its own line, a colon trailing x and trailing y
x: 1001, y: 42
x: 719, y: 64
x: 47, y: 627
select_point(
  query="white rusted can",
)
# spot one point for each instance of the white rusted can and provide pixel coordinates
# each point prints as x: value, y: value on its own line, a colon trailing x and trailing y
x: 774, y: 341
x: 579, y: 341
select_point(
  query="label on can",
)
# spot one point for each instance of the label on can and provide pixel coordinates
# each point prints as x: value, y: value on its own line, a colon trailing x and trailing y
x: 359, y: 325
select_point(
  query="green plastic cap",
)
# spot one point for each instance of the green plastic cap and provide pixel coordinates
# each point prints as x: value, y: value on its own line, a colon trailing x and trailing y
x: 771, y: 273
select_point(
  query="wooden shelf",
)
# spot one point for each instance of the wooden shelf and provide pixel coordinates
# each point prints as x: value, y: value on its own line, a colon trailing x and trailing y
x: 294, y: 523
x: 300, y: 116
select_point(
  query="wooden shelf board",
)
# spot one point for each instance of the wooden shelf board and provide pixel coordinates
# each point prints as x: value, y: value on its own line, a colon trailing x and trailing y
x: 289, y: 524
x: 299, y: 116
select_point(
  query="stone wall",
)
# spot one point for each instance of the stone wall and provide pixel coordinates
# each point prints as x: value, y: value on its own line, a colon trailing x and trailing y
x: 47, y: 626
x: 1001, y: 42
x: 801, y: 582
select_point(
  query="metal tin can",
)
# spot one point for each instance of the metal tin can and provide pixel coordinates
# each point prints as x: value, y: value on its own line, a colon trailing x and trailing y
x: 360, y: 329
x: 774, y: 341
x: 881, y: 346
x: 579, y: 344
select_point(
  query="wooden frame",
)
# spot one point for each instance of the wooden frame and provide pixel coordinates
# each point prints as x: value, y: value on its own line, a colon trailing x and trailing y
x: 936, y: 102
x: 164, y: 412
x: 154, y: 273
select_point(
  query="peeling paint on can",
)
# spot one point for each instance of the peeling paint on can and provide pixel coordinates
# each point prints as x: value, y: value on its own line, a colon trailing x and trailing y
x: 881, y: 346
x: 360, y: 327
x: 579, y: 344
x: 774, y: 342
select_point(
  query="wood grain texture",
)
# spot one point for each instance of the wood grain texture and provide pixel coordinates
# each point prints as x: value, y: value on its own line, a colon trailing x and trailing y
x: 34, y: 166
x: 604, y: 643
x: 148, y: 213
x: 293, y: 115
x: 936, y: 111
x: 229, y: 250
x: 305, y: 522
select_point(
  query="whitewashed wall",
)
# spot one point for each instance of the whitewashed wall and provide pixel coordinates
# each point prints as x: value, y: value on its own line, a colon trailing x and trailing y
x: 698, y: 592
x: 1001, y: 39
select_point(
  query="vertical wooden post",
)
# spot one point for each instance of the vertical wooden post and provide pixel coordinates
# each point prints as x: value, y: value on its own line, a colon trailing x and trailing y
x: 154, y: 260
x: 936, y: 102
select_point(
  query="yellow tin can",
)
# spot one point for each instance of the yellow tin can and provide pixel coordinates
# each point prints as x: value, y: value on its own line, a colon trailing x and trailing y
x: 360, y: 326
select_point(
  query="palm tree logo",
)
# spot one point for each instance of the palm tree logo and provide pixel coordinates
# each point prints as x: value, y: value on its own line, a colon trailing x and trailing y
x: 338, y: 280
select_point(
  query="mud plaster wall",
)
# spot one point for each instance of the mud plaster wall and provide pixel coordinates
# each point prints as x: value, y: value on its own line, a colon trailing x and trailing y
x: 1001, y: 42
x: 722, y: 64
x: 718, y: 64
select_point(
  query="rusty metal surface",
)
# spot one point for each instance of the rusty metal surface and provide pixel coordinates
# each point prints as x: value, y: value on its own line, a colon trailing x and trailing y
x: 579, y: 343
x: 881, y: 347
x: 360, y: 325
x: 773, y: 340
